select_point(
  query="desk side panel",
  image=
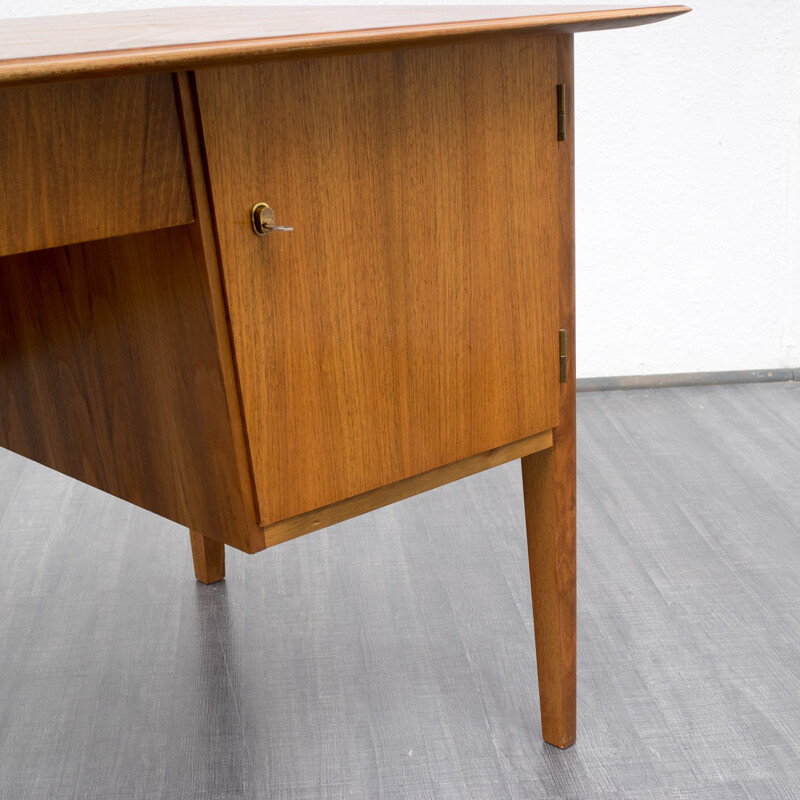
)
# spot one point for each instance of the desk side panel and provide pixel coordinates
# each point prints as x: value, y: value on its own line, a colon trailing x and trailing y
x: 109, y: 373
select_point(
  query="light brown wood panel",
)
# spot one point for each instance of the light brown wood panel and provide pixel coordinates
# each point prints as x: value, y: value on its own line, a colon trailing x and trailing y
x: 109, y: 372
x: 187, y: 102
x: 409, y: 320
x: 384, y: 495
x: 179, y: 38
x: 548, y: 481
x: 88, y: 160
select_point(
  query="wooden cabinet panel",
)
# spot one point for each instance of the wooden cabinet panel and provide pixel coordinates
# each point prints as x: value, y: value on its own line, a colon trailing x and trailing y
x: 410, y: 319
x: 89, y: 160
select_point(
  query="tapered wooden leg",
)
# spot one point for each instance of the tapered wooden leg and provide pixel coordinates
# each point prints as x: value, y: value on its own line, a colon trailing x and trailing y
x: 551, y: 553
x: 209, y: 558
x: 548, y: 479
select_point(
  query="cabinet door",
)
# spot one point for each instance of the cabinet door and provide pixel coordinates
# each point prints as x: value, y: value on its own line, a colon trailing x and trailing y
x: 409, y: 319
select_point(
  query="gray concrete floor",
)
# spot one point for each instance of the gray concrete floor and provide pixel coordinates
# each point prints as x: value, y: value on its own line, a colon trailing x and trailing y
x: 392, y: 656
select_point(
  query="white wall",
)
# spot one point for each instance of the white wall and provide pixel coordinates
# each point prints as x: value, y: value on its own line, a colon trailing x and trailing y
x: 688, y: 192
x: 688, y: 187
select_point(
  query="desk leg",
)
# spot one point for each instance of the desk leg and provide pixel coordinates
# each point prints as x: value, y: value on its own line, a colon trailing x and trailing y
x: 548, y: 480
x: 551, y: 554
x: 209, y: 558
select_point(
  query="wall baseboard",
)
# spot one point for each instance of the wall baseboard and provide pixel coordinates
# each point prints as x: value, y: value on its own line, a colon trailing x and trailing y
x: 685, y: 379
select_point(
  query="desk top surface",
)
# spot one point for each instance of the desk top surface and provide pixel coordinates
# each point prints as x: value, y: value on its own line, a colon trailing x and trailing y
x: 63, y: 47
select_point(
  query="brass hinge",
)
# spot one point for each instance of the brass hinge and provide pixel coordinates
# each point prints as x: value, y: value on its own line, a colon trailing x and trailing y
x: 561, y: 91
x: 562, y: 356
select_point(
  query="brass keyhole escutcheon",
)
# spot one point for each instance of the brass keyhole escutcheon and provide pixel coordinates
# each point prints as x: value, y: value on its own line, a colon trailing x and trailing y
x: 262, y: 218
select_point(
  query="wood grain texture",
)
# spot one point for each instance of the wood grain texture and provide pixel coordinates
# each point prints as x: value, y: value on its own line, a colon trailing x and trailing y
x: 89, y: 160
x: 548, y: 480
x: 59, y: 47
x: 369, y: 501
x: 409, y: 320
x: 187, y: 102
x: 208, y: 556
x: 110, y: 373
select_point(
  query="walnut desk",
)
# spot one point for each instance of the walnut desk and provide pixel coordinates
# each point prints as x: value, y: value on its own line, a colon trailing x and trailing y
x: 264, y: 269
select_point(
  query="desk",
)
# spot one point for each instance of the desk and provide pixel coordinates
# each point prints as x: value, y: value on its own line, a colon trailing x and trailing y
x: 164, y: 340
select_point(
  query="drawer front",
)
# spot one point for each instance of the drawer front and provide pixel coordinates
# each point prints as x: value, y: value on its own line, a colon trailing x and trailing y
x: 89, y: 160
x: 409, y: 319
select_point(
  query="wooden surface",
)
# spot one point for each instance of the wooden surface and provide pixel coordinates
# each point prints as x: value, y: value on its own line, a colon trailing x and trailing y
x: 110, y: 374
x: 410, y: 319
x: 89, y: 160
x: 551, y: 558
x: 369, y: 501
x: 548, y: 480
x: 392, y: 658
x: 208, y: 557
x: 216, y: 302
x: 178, y: 38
